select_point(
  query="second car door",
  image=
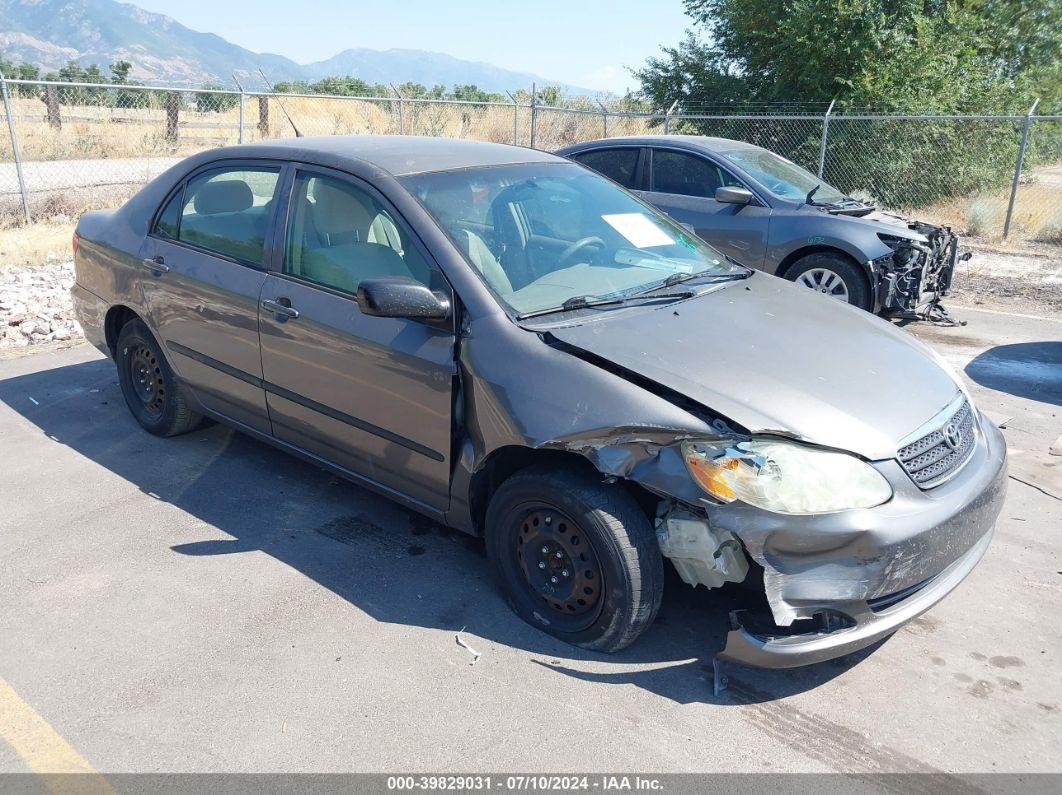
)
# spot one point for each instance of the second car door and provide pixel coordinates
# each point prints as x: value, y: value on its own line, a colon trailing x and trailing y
x: 203, y: 275
x: 371, y: 394
x: 683, y: 185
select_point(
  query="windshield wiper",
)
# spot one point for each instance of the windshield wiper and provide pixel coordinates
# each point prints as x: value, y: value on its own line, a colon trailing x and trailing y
x: 809, y: 199
x: 679, y: 278
x: 589, y: 302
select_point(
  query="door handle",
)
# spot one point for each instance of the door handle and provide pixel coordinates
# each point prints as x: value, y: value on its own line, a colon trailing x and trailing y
x: 157, y: 265
x: 279, y: 308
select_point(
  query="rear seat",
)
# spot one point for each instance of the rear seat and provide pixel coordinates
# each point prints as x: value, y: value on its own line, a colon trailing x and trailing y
x: 227, y: 221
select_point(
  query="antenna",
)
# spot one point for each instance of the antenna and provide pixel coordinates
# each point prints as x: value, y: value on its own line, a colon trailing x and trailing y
x: 285, y: 110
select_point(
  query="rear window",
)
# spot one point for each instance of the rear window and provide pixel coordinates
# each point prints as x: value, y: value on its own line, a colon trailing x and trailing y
x: 617, y: 164
x: 226, y: 210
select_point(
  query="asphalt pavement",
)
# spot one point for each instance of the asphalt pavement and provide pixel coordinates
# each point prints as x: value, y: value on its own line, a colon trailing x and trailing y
x: 207, y: 603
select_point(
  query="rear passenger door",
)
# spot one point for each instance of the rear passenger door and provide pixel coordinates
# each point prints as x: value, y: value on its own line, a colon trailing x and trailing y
x: 683, y: 185
x: 204, y: 268
x: 371, y: 394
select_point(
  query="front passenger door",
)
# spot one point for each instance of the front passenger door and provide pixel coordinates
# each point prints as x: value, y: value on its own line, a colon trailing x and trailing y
x: 371, y: 394
x: 683, y: 185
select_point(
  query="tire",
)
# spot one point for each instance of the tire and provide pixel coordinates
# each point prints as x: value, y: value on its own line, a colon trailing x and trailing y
x: 563, y: 524
x: 154, y: 396
x: 817, y: 271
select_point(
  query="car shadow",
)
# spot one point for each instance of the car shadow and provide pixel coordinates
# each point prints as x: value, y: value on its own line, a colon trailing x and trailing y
x: 1030, y: 370
x: 386, y: 561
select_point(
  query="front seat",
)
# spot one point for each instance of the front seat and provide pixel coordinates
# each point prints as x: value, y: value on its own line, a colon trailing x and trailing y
x: 342, y: 255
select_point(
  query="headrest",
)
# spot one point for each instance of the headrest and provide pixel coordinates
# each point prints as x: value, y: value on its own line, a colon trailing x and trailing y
x: 337, y: 211
x: 223, y: 196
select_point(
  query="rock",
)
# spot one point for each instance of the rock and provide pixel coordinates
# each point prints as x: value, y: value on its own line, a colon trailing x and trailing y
x: 28, y: 328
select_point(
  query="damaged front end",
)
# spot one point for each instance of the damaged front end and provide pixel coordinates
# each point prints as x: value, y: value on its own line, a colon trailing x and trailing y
x: 917, y: 273
x: 833, y: 582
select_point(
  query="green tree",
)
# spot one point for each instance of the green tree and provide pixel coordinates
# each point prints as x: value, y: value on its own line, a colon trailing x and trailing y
x: 208, y: 101
x: 21, y: 71
x: 915, y: 56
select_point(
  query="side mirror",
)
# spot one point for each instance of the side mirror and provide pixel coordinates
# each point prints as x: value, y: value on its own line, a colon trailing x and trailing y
x: 732, y: 195
x: 395, y: 296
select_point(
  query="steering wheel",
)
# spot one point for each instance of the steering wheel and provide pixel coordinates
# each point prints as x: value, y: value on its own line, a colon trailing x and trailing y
x: 578, y: 245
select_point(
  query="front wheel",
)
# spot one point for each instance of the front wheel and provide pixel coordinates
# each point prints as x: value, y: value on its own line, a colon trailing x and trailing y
x: 150, y: 389
x: 575, y: 557
x: 834, y: 276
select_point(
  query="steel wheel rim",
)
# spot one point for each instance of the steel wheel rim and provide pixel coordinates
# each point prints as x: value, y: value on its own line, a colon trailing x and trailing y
x: 825, y: 281
x: 561, y: 570
x: 145, y: 377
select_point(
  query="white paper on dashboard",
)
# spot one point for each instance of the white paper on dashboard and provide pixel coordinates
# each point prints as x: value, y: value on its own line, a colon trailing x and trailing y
x: 638, y: 229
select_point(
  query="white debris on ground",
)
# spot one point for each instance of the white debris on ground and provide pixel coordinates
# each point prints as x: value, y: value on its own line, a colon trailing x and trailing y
x: 35, y: 305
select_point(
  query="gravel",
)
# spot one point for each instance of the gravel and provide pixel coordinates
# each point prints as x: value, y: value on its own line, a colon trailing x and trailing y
x: 35, y: 306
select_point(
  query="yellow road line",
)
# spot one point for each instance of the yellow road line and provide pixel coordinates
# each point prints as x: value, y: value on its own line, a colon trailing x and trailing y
x: 61, y: 768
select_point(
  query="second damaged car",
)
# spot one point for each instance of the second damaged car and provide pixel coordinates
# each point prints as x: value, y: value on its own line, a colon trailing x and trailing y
x: 769, y: 213
x: 512, y: 345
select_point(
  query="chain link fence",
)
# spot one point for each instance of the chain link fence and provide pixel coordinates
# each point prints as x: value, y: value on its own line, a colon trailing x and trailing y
x: 69, y: 147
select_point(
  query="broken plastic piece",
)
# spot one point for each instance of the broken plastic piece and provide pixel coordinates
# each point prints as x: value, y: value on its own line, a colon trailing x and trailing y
x: 701, y: 555
x: 463, y: 645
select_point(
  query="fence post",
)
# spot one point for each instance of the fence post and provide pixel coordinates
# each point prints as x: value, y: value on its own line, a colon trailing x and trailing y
x: 667, y: 117
x: 51, y: 101
x: 14, y: 150
x: 534, y: 113
x: 604, y: 119
x: 825, y: 133
x: 1017, y: 166
x: 401, y: 114
x: 239, y: 85
x: 263, y: 115
x: 173, y: 103
x: 516, y: 116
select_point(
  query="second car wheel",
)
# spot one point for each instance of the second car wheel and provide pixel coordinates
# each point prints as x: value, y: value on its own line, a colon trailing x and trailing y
x: 576, y: 558
x: 832, y: 275
x: 150, y: 389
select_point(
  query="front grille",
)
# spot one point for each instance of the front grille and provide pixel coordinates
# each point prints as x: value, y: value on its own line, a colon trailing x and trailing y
x: 930, y: 459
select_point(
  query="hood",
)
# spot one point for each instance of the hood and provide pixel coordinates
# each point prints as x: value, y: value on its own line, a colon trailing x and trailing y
x: 774, y: 357
x: 886, y: 224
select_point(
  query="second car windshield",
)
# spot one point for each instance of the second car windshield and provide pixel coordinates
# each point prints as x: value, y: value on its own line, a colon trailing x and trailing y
x: 543, y: 234
x: 783, y: 177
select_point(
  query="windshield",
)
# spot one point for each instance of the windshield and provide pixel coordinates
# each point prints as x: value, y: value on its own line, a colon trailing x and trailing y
x: 783, y: 177
x: 542, y: 234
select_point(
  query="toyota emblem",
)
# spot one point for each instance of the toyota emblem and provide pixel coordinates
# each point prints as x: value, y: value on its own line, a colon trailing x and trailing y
x: 952, y: 436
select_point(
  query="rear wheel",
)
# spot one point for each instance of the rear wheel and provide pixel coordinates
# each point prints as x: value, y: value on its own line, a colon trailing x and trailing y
x: 832, y: 275
x: 151, y: 391
x: 575, y: 557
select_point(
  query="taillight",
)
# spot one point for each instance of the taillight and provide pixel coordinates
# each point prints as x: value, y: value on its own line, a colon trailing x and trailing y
x: 75, y: 242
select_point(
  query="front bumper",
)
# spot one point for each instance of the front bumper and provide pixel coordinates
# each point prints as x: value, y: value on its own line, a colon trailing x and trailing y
x: 874, y: 570
x: 915, y: 275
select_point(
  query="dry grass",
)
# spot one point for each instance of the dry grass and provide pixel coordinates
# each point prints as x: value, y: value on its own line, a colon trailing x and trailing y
x: 35, y: 244
x: 1036, y: 214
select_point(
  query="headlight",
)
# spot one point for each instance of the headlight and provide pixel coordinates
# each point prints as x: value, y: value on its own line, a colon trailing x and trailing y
x: 784, y: 476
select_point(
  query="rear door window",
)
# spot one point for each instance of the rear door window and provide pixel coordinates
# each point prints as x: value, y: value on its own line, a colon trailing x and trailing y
x: 618, y: 164
x: 227, y: 210
x: 166, y: 225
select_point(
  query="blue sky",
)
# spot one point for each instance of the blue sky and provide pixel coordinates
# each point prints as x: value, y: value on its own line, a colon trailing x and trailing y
x: 586, y: 43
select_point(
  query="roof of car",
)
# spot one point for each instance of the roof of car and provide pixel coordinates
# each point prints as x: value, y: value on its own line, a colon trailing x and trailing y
x: 704, y: 142
x: 396, y: 154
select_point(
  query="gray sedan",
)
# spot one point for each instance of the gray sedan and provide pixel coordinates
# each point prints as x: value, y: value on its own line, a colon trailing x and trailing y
x: 769, y: 213
x: 510, y: 344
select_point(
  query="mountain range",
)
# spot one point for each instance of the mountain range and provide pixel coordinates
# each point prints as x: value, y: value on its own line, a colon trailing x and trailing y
x: 49, y: 33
